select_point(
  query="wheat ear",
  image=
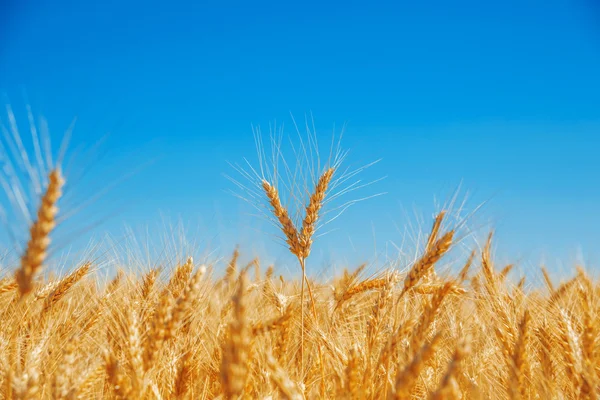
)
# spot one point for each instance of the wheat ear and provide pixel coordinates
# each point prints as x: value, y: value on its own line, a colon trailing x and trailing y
x: 287, y: 226
x: 64, y: 285
x: 435, y: 229
x: 312, y: 212
x: 35, y: 253
x: 426, y: 263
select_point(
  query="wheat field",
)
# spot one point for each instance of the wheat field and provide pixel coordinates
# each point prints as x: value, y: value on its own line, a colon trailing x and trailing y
x: 412, y: 331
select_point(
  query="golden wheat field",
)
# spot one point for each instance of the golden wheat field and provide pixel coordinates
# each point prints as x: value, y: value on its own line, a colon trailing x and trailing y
x: 410, y: 331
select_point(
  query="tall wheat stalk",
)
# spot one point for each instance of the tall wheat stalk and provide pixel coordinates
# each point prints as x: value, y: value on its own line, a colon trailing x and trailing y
x: 300, y: 243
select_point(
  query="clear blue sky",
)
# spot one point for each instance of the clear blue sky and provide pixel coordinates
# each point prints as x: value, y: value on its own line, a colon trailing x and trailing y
x: 501, y: 96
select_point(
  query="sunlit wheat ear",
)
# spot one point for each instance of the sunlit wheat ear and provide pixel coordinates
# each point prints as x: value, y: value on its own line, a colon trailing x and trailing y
x: 464, y: 272
x: 148, y: 283
x: 64, y: 285
x: 547, y: 280
x: 433, y: 236
x: 426, y: 263
x: 35, y: 253
x: 287, y: 226
x: 487, y: 266
x: 179, y: 278
x: 312, y: 212
x: 231, y: 270
x: 435, y: 229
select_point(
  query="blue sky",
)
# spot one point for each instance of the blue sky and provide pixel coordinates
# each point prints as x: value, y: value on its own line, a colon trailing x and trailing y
x: 501, y: 96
